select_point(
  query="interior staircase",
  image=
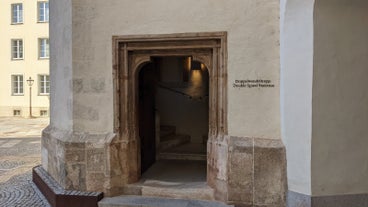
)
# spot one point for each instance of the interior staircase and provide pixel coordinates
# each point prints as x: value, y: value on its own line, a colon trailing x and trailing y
x: 175, y: 146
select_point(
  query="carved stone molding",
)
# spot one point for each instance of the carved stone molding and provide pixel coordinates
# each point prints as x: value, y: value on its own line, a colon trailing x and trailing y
x: 132, y: 52
x: 205, y: 59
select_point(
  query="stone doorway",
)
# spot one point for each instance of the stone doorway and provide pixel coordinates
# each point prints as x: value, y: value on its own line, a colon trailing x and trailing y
x: 173, y: 110
x: 173, y: 128
x: 134, y: 53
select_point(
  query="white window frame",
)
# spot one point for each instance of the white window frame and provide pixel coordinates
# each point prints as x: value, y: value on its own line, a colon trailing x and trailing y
x: 17, y: 49
x: 43, y: 48
x: 17, y: 13
x: 43, y: 11
x: 17, y: 85
x: 43, y: 85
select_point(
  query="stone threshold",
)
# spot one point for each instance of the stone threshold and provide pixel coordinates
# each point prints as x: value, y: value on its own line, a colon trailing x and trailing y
x: 145, y: 201
x: 153, y: 188
x: 57, y: 196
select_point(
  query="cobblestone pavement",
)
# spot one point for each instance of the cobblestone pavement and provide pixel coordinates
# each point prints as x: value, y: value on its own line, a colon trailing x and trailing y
x: 11, y: 127
x: 20, y: 191
x: 20, y: 150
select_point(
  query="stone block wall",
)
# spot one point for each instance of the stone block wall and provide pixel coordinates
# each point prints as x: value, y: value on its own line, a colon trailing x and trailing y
x: 248, y: 171
x: 76, y: 161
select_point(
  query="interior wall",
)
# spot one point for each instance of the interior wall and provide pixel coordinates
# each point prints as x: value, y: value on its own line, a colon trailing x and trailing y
x: 296, y: 91
x: 340, y: 98
x: 188, y: 115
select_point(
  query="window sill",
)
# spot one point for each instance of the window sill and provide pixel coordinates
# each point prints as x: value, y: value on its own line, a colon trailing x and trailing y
x: 41, y: 22
x: 17, y: 59
x: 17, y: 94
x: 20, y: 23
x: 43, y: 94
x: 43, y: 58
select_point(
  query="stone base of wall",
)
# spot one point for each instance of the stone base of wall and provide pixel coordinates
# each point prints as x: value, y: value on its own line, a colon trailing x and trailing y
x: 57, y: 196
x: 301, y: 200
x: 248, y: 171
x: 77, y: 161
x: 242, y: 171
x: 89, y: 162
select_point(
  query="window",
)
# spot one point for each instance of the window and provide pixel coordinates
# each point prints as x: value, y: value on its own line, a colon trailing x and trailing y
x: 43, y: 113
x: 43, y: 47
x: 17, y: 49
x: 44, y: 84
x: 17, y: 85
x: 43, y: 11
x: 16, y: 113
x: 17, y: 13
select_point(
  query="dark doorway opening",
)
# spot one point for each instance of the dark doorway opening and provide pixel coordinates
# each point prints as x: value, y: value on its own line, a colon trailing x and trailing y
x: 147, y: 87
x: 173, y: 119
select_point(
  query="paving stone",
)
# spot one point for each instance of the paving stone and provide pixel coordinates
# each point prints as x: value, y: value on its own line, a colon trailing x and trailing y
x: 20, y: 191
x: 24, y: 147
x: 20, y: 150
x: 7, y: 164
x: 22, y: 127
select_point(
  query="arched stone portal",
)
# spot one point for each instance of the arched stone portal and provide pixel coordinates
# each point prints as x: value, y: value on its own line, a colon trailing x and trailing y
x: 131, y: 53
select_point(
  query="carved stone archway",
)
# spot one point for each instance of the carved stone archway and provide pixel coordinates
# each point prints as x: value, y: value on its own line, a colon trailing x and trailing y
x: 130, y: 54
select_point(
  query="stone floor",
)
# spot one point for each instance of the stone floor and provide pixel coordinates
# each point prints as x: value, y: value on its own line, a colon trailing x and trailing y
x: 138, y: 201
x: 19, y: 191
x: 177, y: 171
x: 20, y: 147
x: 22, y: 127
x: 179, y: 179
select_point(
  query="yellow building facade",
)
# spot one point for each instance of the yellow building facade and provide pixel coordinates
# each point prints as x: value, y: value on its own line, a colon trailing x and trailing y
x: 24, y: 54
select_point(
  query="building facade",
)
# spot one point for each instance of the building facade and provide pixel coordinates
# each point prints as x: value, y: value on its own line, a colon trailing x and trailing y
x: 278, y: 90
x: 24, y: 54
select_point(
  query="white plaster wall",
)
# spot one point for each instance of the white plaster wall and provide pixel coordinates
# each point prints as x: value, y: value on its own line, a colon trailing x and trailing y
x: 296, y: 91
x: 61, y: 64
x: 253, y: 53
x: 340, y: 98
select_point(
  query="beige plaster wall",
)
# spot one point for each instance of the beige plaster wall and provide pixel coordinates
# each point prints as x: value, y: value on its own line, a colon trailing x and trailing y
x: 253, y: 53
x: 340, y: 98
x: 29, y: 66
x: 296, y: 91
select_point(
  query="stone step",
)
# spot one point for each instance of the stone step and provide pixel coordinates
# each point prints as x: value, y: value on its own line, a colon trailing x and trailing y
x: 187, y: 151
x: 173, y: 141
x: 181, y: 156
x: 190, y: 190
x: 143, y: 201
x: 166, y: 130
